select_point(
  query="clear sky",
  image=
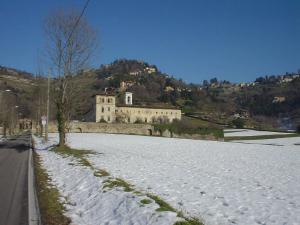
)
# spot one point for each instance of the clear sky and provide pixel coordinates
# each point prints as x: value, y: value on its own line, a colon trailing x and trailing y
x: 236, y: 40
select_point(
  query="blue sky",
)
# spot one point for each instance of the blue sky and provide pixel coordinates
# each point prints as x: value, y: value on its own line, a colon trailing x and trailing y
x: 236, y: 40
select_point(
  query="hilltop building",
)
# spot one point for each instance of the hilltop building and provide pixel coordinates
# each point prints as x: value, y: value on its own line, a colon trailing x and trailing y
x: 108, y: 111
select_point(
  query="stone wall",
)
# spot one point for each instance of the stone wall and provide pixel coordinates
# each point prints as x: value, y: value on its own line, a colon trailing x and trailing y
x: 126, y: 128
x: 114, y: 128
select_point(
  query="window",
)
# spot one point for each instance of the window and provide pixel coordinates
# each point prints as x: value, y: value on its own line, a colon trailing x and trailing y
x: 108, y: 100
x: 102, y: 109
x: 156, y: 112
x: 108, y: 118
x: 145, y: 120
x: 102, y: 100
x: 116, y: 110
x: 108, y: 109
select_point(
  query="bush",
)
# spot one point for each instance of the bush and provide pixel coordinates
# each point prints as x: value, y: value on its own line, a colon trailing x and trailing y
x: 138, y: 121
x: 238, y: 123
x: 187, y: 127
x: 102, y: 121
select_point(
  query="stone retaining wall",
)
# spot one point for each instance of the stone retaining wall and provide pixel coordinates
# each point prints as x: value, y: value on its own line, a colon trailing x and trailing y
x: 125, y: 128
x: 90, y: 127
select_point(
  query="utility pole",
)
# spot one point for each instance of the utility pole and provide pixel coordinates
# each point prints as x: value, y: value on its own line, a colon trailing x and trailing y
x: 48, y: 103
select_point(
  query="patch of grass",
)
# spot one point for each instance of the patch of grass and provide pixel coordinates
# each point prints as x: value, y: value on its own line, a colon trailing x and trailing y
x: 79, y: 154
x: 138, y: 193
x: 101, y: 173
x: 110, y: 183
x: 67, y: 151
x: 180, y: 214
x: 52, y: 211
x: 192, y: 221
x: 261, y: 137
x: 146, y: 201
x: 163, y: 206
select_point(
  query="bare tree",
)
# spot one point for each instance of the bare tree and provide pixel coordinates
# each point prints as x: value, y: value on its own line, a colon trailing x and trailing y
x: 70, y: 44
x: 8, y: 113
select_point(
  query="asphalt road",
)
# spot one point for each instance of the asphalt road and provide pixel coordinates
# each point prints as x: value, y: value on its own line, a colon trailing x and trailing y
x: 14, y: 155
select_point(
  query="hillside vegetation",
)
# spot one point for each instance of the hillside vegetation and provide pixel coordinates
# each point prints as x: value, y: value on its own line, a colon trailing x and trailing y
x: 268, y: 103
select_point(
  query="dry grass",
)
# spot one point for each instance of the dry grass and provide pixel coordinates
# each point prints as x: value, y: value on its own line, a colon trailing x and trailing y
x: 52, y: 210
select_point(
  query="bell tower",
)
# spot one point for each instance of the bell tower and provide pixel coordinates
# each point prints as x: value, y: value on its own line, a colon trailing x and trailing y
x: 128, y: 98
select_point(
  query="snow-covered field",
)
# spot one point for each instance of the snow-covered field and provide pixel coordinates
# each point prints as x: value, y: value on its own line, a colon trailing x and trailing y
x: 87, y: 201
x: 247, y: 132
x: 287, y: 142
x: 220, y: 182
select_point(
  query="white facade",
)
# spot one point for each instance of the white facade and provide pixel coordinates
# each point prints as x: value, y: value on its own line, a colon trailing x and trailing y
x: 128, y: 98
x: 107, y: 111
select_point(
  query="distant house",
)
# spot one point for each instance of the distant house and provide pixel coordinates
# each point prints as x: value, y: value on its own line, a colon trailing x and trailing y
x: 278, y: 99
x: 150, y: 70
x: 126, y: 84
x: 135, y: 73
x: 169, y: 89
x: 286, y: 80
x: 243, y: 114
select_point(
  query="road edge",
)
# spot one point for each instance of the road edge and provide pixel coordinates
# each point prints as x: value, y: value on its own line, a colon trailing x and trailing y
x: 34, y: 217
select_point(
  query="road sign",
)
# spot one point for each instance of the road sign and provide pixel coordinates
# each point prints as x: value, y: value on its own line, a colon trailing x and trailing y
x: 44, y: 120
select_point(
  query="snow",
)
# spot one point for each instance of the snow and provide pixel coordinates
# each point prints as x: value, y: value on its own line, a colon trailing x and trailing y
x: 291, y: 142
x: 222, y: 183
x: 86, y: 201
x: 219, y: 182
x: 247, y: 132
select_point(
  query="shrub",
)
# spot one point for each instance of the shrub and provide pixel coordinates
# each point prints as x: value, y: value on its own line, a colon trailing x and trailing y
x: 188, y: 127
x: 138, y: 121
x: 103, y: 121
x: 238, y: 123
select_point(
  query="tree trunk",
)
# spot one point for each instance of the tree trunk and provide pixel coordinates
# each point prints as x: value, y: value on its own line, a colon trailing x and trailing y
x: 4, y: 129
x: 61, y: 123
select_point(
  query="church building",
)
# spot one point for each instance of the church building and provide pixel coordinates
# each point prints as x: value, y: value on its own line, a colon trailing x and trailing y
x: 108, y: 111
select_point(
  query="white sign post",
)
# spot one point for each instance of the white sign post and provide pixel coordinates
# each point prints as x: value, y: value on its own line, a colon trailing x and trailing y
x: 44, y: 122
